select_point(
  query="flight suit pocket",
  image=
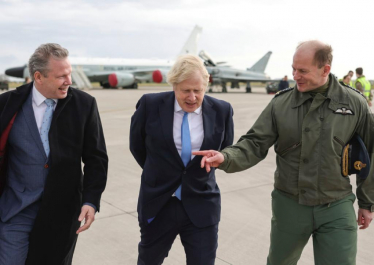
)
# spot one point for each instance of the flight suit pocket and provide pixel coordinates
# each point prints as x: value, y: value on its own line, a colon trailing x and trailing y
x: 289, y: 149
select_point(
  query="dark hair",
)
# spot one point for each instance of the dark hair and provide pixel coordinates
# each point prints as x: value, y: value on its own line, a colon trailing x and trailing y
x: 345, y: 77
x: 323, y: 56
x: 359, y: 71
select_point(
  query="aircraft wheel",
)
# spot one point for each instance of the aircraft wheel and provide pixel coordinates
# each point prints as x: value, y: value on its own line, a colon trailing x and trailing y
x: 248, y: 89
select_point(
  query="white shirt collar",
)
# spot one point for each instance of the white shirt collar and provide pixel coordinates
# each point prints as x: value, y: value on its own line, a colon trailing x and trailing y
x: 37, y: 97
x: 178, y: 108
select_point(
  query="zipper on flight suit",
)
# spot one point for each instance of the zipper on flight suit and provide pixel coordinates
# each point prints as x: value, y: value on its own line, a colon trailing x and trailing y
x: 289, y: 149
x: 339, y: 141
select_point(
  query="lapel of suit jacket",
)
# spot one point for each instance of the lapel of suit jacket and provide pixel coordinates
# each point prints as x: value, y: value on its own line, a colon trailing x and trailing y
x: 29, y: 116
x: 61, y: 103
x: 166, y: 111
x: 209, y: 121
x: 14, y: 103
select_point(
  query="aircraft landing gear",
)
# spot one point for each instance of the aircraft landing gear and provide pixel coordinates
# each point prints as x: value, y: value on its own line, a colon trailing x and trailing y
x: 224, y: 89
x: 248, y: 88
x: 133, y: 86
x: 105, y: 85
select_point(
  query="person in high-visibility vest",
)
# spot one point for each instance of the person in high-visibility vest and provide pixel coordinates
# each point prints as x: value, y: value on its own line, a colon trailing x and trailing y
x: 363, y: 85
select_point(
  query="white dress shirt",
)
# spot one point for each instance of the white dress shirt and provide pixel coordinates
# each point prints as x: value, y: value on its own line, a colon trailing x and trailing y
x: 39, y: 106
x: 195, y: 122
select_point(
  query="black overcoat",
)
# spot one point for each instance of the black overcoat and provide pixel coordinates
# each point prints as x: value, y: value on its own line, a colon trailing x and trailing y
x: 75, y: 136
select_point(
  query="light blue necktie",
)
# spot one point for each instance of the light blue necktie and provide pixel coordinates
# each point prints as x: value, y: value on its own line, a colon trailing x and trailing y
x: 44, y: 129
x: 186, y: 148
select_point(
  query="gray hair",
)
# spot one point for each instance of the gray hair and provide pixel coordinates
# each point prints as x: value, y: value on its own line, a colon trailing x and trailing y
x: 39, y: 60
x: 184, y: 67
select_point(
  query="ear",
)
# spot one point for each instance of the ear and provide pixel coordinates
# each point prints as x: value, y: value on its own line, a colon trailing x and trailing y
x: 326, y: 70
x: 38, y: 77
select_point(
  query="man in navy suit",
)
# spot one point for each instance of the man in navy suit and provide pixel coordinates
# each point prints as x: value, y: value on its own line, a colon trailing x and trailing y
x: 176, y: 195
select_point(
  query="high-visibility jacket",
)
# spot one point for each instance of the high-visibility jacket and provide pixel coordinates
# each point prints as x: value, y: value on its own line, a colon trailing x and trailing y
x: 366, y: 86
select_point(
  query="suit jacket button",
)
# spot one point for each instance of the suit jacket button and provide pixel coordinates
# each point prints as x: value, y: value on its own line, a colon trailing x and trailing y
x: 185, y: 172
x: 46, y: 166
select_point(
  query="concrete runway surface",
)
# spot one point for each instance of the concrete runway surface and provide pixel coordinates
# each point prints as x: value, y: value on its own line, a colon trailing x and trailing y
x: 244, y: 230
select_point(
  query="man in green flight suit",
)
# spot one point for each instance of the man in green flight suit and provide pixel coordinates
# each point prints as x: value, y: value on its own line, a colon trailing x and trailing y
x: 363, y: 85
x: 309, y: 126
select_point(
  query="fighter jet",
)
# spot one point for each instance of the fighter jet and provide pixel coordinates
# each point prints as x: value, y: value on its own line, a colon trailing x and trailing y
x: 125, y: 73
x: 221, y: 74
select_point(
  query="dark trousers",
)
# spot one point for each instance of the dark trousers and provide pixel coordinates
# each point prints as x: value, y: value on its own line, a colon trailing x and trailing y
x: 14, y: 236
x: 200, y: 244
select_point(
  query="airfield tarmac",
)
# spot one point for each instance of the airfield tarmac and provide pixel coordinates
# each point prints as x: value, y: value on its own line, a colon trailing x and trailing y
x: 244, y: 230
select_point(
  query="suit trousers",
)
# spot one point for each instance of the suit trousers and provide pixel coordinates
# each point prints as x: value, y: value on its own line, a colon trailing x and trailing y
x: 14, y: 236
x: 333, y: 227
x: 200, y: 244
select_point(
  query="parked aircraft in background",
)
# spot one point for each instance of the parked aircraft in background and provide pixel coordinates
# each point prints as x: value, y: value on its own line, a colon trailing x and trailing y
x: 220, y: 74
x: 126, y: 73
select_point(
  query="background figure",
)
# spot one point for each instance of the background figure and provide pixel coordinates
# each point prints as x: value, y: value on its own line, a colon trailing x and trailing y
x: 176, y: 195
x: 27, y: 80
x: 363, y: 85
x: 283, y: 84
x: 346, y: 80
x: 309, y: 126
x: 48, y: 129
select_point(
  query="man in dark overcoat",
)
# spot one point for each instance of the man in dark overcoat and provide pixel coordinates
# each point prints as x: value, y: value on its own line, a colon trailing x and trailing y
x: 47, y: 129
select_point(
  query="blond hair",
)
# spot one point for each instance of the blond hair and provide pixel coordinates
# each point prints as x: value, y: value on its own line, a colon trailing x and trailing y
x: 184, y: 67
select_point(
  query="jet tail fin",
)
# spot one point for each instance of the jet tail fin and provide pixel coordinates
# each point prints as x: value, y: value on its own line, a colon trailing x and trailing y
x: 260, y: 66
x: 190, y: 47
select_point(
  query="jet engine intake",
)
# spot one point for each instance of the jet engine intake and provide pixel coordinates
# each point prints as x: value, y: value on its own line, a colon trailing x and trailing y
x: 121, y: 79
x: 159, y: 76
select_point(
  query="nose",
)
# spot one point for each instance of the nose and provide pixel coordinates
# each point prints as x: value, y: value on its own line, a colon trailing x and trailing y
x: 68, y: 80
x: 295, y: 75
x: 191, y: 96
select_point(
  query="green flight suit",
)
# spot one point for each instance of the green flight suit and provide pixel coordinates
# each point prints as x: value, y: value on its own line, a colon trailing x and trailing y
x: 308, y: 134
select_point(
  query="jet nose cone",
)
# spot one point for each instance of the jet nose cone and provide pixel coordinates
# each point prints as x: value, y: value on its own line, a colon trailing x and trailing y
x: 15, y: 72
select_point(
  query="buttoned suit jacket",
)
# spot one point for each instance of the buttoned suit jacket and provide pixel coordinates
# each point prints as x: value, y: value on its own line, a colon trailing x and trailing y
x: 152, y: 145
x: 75, y: 136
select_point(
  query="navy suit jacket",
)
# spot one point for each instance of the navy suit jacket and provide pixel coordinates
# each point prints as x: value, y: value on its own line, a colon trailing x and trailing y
x: 152, y: 145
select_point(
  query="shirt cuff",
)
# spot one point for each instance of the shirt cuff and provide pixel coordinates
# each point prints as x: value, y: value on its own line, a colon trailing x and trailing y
x: 90, y: 204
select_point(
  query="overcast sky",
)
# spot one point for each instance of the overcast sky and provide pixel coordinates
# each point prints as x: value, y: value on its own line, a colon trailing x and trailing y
x: 237, y: 31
